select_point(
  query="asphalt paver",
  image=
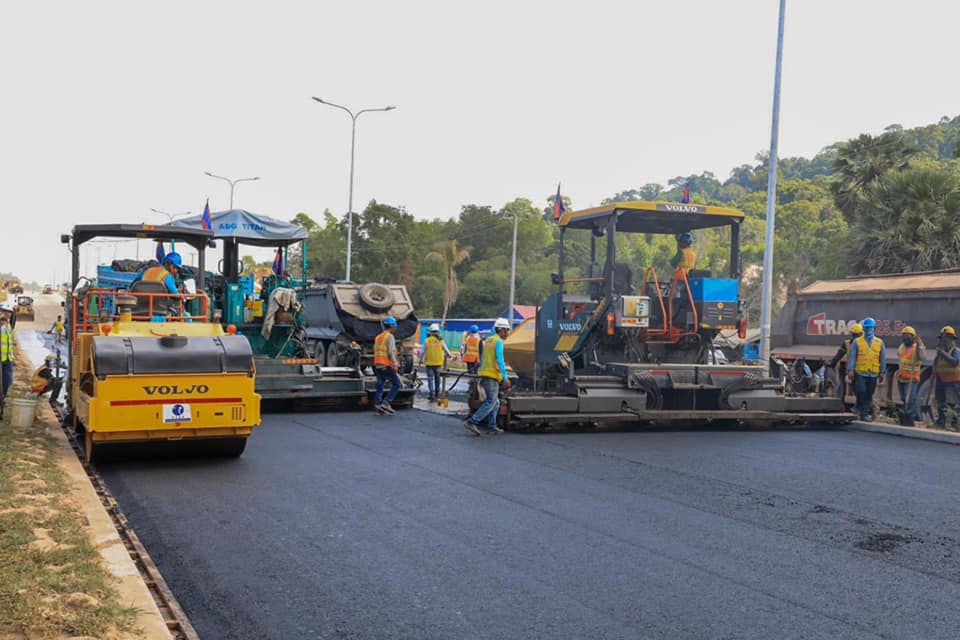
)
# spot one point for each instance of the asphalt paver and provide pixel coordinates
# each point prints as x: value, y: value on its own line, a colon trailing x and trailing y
x: 349, y: 525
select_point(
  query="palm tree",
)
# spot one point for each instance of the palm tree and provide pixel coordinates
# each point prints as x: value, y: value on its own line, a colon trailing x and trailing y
x: 862, y: 161
x: 451, y: 255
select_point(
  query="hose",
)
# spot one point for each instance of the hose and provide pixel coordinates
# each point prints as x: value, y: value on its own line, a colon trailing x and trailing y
x: 648, y: 384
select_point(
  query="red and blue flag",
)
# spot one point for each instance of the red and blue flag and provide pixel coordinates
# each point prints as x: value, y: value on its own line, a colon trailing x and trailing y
x: 278, y: 262
x: 686, y: 194
x: 205, y: 220
x: 160, y: 252
x: 558, y: 208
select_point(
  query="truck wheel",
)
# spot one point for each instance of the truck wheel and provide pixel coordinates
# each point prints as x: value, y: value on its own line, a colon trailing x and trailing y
x: 376, y: 297
x: 319, y: 351
x: 333, y: 355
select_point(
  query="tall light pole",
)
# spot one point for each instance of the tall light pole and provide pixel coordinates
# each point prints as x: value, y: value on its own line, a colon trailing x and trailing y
x: 232, y: 183
x: 513, y: 271
x: 766, y: 301
x: 353, y: 146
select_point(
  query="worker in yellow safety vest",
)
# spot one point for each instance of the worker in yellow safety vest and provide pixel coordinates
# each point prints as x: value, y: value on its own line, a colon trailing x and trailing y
x: 839, y: 361
x: 492, y: 373
x: 6, y: 356
x: 57, y: 329
x: 946, y: 368
x: 910, y: 353
x: 867, y: 363
x: 386, y: 364
x: 686, y: 258
x: 434, y: 352
x: 470, y: 350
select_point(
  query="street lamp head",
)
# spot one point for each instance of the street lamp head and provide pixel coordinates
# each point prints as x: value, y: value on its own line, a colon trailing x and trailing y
x: 390, y: 108
x: 320, y: 100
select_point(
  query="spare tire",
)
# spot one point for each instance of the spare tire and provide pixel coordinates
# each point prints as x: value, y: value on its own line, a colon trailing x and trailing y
x: 376, y: 296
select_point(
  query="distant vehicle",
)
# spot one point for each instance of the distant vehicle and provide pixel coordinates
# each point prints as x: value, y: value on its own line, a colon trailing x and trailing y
x: 25, y: 308
x: 47, y: 289
x: 14, y: 286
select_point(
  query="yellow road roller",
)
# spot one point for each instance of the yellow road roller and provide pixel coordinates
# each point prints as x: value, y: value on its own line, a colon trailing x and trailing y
x: 150, y: 371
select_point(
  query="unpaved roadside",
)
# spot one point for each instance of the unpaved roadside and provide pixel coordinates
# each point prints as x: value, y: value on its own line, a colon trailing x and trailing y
x: 64, y: 572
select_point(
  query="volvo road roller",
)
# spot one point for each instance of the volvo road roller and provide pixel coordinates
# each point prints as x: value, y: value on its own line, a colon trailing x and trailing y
x: 618, y: 343
x: 149, y: 372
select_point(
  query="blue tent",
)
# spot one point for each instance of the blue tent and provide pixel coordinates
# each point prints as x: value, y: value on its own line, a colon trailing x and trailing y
x: 248, y: 228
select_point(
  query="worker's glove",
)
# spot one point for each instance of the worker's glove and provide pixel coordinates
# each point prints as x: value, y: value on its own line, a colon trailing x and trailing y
x: 506, y: 383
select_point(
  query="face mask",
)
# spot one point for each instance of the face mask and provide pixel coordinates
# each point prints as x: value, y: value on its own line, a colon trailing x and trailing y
x: 908, y: 341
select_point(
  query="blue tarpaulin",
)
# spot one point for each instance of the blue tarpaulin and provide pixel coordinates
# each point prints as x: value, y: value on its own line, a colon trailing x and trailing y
x: 248, y: 228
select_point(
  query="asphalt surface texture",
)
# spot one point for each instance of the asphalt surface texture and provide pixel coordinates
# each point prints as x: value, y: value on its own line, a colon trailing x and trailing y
x: 350, y: 525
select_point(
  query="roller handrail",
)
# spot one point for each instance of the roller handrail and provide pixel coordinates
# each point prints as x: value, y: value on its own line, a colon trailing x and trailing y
x: 82, y: 323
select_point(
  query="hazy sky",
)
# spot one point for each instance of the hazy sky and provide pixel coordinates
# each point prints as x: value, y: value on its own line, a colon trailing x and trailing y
x: 110, y: 109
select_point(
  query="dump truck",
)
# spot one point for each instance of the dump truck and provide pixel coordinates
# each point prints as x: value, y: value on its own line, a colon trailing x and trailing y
x: 148, y: 367
x: 312, y: 340
x: 816, y: 320
x: 612, y: 346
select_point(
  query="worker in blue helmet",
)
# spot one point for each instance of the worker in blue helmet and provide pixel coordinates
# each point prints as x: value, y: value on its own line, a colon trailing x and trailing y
x: 167, y: 274
x: 386, y: 364
x: 470, y: 349
x: 686, y: 258
x: 867, y: 364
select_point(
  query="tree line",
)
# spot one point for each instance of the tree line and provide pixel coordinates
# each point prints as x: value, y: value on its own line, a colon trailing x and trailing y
x: 884, y: 203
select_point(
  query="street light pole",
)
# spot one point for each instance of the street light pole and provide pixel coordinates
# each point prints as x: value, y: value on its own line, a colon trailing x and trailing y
x: 232, y: 183
x: 513, y: 270
x: 353, y: 146
x: 766, y: 301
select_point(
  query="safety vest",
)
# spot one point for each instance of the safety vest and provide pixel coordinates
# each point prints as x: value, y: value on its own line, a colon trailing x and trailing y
x: 472, y: 353
x: 155, y: 274
x: 6, y: 346
x: 488, y: 363
x: 38, y: 384
x: 868, y: 355
x: 910, y: 364
x: 947, y: 372
x: 381, y: 352
x: 433, y: 352
x: 688, y: 258
x: 58, y: 326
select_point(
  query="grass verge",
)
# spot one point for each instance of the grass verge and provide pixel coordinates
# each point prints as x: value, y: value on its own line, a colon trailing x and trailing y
x: 53, y: 582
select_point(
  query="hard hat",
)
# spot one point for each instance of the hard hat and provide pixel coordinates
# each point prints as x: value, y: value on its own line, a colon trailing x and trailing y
x: 434, y: 328
x: 869, y: 323
x: 856, y: 329
x: 948, y: 331
x: 474, y: 328
x: 50, y: 358
x: 909, y: 331
x: 685, y: 237
x: 389, y: 321
x: 501, y: 323
x: 173, y: 258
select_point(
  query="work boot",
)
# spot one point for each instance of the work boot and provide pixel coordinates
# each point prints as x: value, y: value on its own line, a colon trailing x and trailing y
x: 472, y: 428
x: 494, y: 430
x: 387, y: 408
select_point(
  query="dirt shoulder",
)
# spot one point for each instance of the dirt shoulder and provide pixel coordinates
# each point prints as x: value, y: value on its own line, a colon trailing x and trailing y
x: 64, y: 572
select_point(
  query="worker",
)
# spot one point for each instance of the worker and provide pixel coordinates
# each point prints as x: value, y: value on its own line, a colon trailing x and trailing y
x: 167, y: 274
x: 432, y: 357
x: 57, y: 328
x: 6, y: 355
x: 492, y: 373
x: 946, y: 368
x: 45, y: 379
x: 685, y: 258
x: 386, y: 364
x: 868, y: 362
x: 841, y: 356
x: 910, y: 353
x: 470, y: 349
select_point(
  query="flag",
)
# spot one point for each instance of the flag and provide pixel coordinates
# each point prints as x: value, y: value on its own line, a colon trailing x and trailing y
x: 686, y: 194
x: 160, y: 252
x: 205, y: 220
x: 278, y: 262
x: 558, y: 208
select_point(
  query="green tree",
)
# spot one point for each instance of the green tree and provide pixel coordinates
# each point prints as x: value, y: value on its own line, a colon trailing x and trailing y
x: 451, y: 255
x: 862, y: 161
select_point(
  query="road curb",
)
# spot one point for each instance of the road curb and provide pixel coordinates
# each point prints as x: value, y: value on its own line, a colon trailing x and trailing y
x: 905, y: 432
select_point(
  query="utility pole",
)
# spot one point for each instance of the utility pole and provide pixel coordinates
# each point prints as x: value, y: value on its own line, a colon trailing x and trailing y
x: 766, y: 301
x: 513, y: 271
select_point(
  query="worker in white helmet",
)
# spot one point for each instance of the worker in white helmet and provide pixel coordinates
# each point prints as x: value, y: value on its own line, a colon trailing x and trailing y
x: 492, y: 373
x: 434, y: 352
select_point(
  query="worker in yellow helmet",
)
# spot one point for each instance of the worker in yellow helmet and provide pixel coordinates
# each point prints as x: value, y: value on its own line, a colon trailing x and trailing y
x: 910, y: 353
x: 946, y: 369
x: 839, y: 361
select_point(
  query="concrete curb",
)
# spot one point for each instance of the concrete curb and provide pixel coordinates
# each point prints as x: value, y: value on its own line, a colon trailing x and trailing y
x: 126, y: 577
x: 905, y: 432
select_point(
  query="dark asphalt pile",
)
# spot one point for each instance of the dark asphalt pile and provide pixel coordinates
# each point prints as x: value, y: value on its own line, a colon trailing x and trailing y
x: 355, y: 526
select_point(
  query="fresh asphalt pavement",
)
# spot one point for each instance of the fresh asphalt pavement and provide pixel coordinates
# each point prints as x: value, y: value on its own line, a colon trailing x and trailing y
x: 348, y: 525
